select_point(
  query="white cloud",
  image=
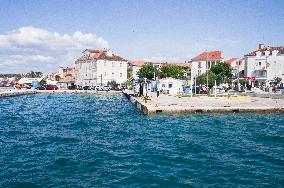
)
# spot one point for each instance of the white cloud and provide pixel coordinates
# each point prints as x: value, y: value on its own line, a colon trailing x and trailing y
x: 30, y: 48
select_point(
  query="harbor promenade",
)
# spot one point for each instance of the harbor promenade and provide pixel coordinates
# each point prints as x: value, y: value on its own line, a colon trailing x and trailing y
x: 166, y: 104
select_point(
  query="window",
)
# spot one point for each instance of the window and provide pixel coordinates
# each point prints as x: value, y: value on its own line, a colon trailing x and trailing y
x: 120, y: 64
x: 163, y: 85
x: 199, y: 65
x: 120, y: 74
x: 112, y: 64
x: 199, y: 72
x: 170, y: 85
x: 259, y: 63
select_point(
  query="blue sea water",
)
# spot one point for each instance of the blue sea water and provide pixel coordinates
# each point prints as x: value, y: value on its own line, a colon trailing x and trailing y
x: 68, y: 140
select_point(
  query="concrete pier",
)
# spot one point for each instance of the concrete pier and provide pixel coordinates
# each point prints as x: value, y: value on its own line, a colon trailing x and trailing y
x: 16, y: 92
x: 203, y: 104
x: 78, y: 91
x: 12, y: 93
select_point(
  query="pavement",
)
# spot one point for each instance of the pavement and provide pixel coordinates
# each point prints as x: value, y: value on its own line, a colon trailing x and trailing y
x: 175, y: 104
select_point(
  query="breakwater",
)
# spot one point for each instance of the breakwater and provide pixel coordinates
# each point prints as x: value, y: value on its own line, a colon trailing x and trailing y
x: 12, y: 93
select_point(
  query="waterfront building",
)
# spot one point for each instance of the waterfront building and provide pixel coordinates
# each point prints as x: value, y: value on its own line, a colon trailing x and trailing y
x: 67, y: 77
x: 264, y: 64
x: 170, y: 86
x: 204, y: 61
x: 238, y: 66
x: 98, y: 67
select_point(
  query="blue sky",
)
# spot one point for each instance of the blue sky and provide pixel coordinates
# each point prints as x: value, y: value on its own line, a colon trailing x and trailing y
x: 157, y: 30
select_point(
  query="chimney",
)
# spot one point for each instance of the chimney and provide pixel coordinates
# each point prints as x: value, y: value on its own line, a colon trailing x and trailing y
x: 261, y: 46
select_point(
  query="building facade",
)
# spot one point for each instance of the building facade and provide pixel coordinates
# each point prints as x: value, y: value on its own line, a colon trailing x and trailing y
x: 204, y: 61
x: 98, y: 67
x: 238, y: 67
x: 67, y: 77
x: 264, y: 64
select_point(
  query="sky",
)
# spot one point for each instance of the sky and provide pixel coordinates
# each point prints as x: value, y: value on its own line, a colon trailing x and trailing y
x: 42, y: 35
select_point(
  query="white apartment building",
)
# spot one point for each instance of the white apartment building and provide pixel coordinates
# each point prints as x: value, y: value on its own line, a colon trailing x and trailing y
x: 238, y: 67
x: 98, y: 67
x: 264, y: 64
x: 198, y: 63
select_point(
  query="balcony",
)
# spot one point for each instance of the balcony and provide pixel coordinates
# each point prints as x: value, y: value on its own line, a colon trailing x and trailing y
x: 259, y: 74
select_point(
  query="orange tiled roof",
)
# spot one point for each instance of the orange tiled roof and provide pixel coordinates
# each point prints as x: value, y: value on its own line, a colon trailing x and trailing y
x: 137, y: 63
x: 213, y: 55
x: 140, y: 63
x: 229, y: 61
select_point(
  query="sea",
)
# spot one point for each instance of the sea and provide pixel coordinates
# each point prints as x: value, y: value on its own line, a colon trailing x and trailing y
x: 102, y: 140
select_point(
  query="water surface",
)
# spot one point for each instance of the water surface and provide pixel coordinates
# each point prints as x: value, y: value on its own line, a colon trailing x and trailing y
x: 102, y: 140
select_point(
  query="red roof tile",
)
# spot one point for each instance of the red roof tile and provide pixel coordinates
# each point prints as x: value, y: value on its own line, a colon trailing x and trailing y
x: 229, y: 61
x: 213, y: 55
x: 137, y: 63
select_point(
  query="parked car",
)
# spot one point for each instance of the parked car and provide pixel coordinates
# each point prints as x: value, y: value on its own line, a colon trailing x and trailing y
x: 20, y: 86
x: 106, y: 88
x: 51, y: 87
x: 72, y: 87
x: 86, y: 88
x: 199, y: 90
x: 41, y: 88
x: 117, y: 88
x: 99, y: 88
x: 280, y: 90
x: 79, y: 87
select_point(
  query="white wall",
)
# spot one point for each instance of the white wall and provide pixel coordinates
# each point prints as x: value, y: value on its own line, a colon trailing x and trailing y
x: 274, y: 68
x: 111, y: 70
x: 198, y: 70
x: 135, y: 70
x: 87, y: 73
x: 176, y: 85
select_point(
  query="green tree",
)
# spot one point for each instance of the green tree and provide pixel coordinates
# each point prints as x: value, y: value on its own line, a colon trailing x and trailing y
x: 244, y: 82
x: 173, y: 71
x: 276, y: 81
x: 112, y: 83
x: 127, y: 83
x: 202, y: 79
x: 33, y: 74
x: 223, y: 71
x: 42, y: 82
x: 147, y: 71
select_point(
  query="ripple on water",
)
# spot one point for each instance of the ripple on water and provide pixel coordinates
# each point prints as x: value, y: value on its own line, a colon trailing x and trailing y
x: 102, y: 140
